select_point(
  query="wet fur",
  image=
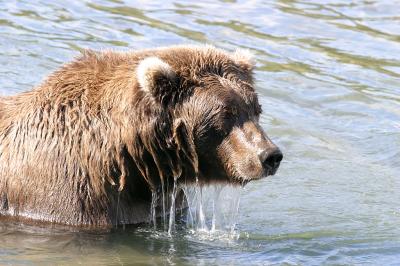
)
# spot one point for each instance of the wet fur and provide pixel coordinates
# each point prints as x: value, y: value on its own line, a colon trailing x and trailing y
x: 88, y: 146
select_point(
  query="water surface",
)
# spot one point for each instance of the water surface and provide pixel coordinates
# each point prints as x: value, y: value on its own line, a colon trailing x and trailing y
x: 328, y: 77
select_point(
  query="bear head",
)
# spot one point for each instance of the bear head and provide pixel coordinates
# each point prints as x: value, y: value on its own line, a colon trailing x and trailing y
x: 208, y: 104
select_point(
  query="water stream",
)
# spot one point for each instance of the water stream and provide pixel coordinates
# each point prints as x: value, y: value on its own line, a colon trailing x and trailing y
x: 172, y: 212
x: 212, y: 210
x: 206, y: 211
x: 153, y: 213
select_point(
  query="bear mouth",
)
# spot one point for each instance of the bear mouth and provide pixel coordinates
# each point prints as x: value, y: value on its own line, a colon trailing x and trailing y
x: 267, y: 171
x: 270, y: 170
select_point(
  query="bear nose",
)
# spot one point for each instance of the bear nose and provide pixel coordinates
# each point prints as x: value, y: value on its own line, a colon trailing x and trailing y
x: 271, y: 159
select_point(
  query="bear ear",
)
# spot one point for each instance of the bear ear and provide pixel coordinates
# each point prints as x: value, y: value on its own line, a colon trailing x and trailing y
x: 244, y: 58
x: 155, y: 76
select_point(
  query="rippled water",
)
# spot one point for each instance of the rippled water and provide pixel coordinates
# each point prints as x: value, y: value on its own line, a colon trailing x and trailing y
x: 328, y: 76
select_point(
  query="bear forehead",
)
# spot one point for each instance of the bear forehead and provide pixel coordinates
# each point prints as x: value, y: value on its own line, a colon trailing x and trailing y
x: 193, y: 62
x: 228, y: 96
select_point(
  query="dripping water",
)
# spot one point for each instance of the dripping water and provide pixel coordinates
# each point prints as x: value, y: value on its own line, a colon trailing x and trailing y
x: 211, y: 211
x: 201, y: 217
x: 216, y: 195
x: 153, y: 217
x: 164, y: 215
x: 171, y: 224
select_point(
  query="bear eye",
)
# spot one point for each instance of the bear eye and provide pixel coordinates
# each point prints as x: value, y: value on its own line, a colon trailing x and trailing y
x: 233, y: 111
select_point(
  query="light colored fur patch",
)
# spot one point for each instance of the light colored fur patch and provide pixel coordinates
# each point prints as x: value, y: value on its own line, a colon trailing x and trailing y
x: 244, y: 56
x: 148, y: 68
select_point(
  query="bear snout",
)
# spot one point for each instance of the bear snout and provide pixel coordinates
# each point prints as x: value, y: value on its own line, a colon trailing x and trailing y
x: 251, y: 154
x: 270, y: 160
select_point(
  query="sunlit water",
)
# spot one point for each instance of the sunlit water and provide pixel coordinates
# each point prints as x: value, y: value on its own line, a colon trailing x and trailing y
x: 328, y: 77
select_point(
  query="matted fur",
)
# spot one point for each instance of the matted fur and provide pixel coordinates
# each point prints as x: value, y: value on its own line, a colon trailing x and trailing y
x: 87, y: 146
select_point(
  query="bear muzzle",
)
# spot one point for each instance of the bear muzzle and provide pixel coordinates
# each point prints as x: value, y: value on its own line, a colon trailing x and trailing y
x: 249, y: 154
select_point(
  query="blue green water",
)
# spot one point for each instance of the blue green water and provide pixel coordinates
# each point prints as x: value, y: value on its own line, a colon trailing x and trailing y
x: 328, y: 77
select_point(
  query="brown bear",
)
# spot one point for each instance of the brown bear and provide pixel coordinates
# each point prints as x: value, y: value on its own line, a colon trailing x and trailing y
x: 98, y: 137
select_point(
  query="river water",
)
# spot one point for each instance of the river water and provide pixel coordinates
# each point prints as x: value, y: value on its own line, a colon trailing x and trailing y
x: 328, y: 77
